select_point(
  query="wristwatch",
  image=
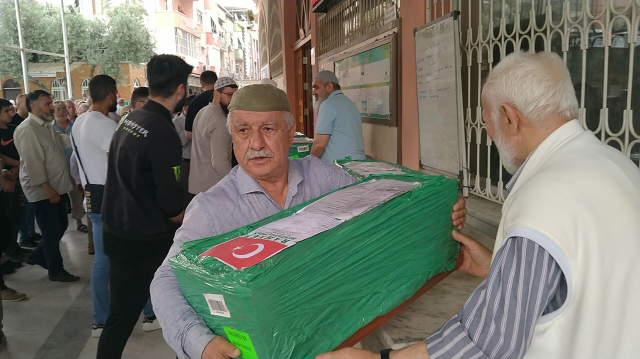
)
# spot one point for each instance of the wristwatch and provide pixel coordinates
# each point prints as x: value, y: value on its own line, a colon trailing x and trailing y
x: 384, y: 354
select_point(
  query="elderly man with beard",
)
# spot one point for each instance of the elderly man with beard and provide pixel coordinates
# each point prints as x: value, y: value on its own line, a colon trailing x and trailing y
x: 265, y: 182
x: 45, y: 180
x: 143, y: 201
x: 339, y: 127
x: 563, y: 281
x: 211, y: 146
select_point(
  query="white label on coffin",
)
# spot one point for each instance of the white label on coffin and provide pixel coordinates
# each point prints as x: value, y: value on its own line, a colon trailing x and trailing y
x: 322, y: 215
x: 303, y: 148
x: 217, y: 305
x: 373, y: 168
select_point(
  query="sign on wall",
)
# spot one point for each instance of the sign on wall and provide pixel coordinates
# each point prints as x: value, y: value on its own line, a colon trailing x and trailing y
x: 366, y: 79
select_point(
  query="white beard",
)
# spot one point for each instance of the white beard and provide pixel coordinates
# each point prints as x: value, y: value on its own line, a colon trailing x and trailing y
x: 507, y: 152
x: 48, y: 117
x: 318, y: 102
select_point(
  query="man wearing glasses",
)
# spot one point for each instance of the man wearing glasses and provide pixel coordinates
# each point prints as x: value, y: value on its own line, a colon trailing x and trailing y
x: 211, y: 144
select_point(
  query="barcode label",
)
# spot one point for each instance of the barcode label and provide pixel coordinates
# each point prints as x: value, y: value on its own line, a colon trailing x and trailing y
x: 303, y: 148
x: 217, y: 306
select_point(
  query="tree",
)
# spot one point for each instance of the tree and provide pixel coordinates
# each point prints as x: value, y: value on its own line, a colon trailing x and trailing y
x: 103, y: 44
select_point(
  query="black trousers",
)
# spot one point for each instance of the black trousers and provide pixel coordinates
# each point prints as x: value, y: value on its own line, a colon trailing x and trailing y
x: 12, y: 203
x: 53, y: 222
x: 132, y: 266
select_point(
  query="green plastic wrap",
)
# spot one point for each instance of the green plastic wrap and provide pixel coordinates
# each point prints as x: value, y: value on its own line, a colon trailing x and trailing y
x: 343, y: 163
x: 312, y: 296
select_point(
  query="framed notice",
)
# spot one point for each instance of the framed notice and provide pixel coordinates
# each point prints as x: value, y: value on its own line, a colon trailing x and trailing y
x: 369, y: 79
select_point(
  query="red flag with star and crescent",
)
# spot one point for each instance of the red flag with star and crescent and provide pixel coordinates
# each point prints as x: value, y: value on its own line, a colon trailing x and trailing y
x: 243, y: 252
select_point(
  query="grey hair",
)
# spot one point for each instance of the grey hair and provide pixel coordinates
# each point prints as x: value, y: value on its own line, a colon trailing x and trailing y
x: 58, y: 102
x: 539, y: 85
x: 288, y: 119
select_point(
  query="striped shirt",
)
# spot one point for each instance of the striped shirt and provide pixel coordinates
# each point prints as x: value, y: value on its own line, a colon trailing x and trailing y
x: 499, y: 318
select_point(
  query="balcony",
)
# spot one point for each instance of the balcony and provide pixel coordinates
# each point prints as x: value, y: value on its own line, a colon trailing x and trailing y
x: 177, y: 19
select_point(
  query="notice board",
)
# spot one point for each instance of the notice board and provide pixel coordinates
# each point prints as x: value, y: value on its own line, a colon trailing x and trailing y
x: 440, y: 115
x: 366, y: 78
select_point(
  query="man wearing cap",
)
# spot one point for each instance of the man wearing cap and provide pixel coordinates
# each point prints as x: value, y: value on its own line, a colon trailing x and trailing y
x: 265, y: 182
x: 211, y: 144
x: 339, y: 126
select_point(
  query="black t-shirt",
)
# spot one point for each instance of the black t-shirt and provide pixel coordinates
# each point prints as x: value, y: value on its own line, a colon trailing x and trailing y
x: 196, y: 105
x: 17, y: 119
x: 7, y: 145
x: 143, y: 187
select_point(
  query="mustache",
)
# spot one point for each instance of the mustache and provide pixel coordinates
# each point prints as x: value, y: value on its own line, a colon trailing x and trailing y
x: 256, y: 154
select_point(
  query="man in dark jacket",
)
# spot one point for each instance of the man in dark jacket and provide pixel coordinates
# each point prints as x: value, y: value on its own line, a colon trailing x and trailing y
x: 143, y: 200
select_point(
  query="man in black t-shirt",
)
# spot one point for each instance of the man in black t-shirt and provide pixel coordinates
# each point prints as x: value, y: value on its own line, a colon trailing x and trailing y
x: 207, y: 81
x: 143, y: 199
x: 21, y: 110
x: 10, y: 199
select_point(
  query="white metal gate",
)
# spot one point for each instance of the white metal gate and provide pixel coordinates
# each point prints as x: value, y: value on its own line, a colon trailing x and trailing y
x: 599, y: 41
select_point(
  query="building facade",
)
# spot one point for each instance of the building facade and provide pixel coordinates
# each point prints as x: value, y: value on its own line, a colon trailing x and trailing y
x: 204, y: 33
x: 51, y: 78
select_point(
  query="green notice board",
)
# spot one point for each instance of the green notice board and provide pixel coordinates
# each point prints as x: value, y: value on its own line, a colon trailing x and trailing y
x: 366, y: 79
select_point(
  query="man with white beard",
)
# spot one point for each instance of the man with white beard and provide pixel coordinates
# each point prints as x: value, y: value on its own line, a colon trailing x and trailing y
x: 563, y: 281
x: 45, y: 180
x: 339, y: 126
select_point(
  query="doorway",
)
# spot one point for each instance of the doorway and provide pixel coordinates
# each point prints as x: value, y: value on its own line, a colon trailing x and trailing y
x: 304, y: 83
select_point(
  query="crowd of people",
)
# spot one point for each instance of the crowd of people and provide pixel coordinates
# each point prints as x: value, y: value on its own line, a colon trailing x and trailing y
x: 160, y: 170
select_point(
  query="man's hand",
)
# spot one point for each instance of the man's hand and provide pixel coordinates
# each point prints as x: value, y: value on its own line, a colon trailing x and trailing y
x: 476, y: 258
x: 188, y: 135
x: 80, y: 188
x: 416, y: 351
x: 459, y: 213
x: 8, y: 184
x: 349, y: 353
x: 54, y: 197
x: 220, y: 348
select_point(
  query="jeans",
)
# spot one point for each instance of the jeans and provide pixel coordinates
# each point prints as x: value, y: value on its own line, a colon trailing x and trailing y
x: 28, y: 220
x: 132, y: 266
x: 53, y: 222
x: 100, y: 276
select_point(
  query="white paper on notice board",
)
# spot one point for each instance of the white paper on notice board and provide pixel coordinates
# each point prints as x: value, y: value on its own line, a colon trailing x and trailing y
x: 439, y: 98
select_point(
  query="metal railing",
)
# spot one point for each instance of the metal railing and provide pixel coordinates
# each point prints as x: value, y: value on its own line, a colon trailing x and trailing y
x: 349, y: 20
x: 599, y: 41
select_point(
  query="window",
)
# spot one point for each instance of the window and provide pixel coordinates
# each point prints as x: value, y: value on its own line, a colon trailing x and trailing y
x: 136, y: 84
x: 59, y: 89
x: 84, y: 88
x: 199, y: 18
x: 185, y: 43
x: 214, y: 28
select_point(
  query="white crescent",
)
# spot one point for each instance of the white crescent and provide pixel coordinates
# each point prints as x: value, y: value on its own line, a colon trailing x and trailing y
x: 249, y: 255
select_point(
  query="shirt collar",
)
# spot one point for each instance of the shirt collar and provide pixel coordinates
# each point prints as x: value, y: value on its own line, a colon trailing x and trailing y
x: 155, y: 107
x: 37, y: 119
x: 57, y: 127
x: 248, y: 184
x: 337, y: 92
x: 514, y: 179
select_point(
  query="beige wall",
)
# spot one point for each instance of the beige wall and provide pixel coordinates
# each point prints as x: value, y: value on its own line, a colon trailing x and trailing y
x: 381, y: 142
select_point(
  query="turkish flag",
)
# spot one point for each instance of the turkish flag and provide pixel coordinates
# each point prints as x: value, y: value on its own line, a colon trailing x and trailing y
x: 243, y: 252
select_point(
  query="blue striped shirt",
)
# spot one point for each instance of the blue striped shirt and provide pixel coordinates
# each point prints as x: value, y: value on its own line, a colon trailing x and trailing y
x: 498, y: 320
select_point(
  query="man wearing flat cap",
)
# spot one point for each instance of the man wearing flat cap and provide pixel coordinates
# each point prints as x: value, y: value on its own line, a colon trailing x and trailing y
x: 339, y: 126
x: 211, y: 147
x: 265, y: 182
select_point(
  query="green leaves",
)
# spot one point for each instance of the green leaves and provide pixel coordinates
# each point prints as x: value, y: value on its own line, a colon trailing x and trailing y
x: 104, y: 43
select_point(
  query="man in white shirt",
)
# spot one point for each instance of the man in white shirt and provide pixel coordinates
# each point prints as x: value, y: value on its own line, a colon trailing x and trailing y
x: 91, y: 137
